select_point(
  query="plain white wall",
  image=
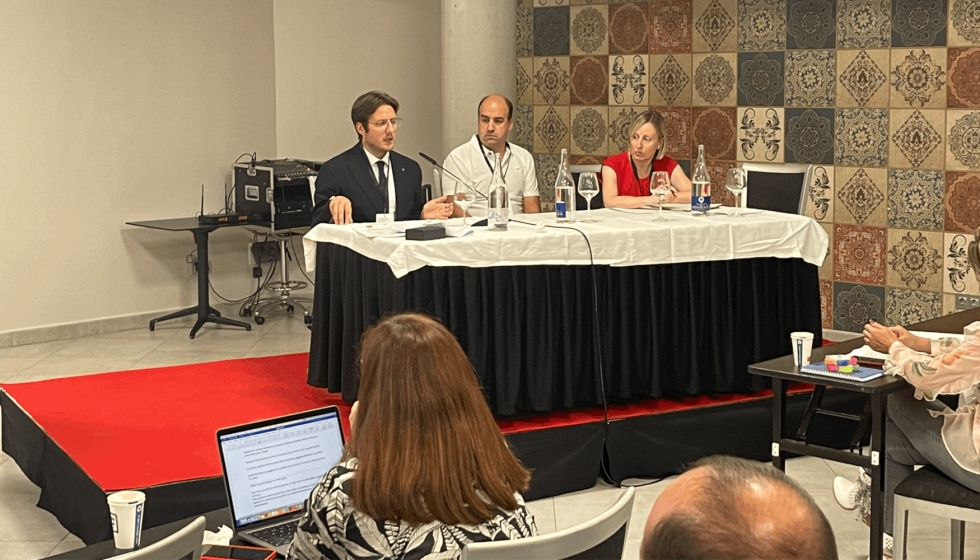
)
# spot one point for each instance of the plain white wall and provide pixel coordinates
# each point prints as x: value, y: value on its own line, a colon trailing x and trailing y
x: 328, y: 53
x: 114, y: 111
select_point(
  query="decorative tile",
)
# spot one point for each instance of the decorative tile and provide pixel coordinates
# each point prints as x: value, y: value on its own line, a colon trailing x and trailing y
x: 670, y: 26
x: 964, y: 23
x: 550, y: 129
x: 855, y: 305
x: 714, y: 79
x: 918, y: 78
x: 620, y: 119
x: 916, y: 139
x: 525, y: 32
x: 962, y: 205
x: 864, y: 24
x: 915, y: 199
x: 525, y: 93
x: 963, y: 78
x: 523, y: 134
x: 551, y: 31
x: 628, y: 79
x: 589, y: 30
x: 590, y: 80
x: 826, y: 270
x: 918, y: 23
x: 715, y: 128
x: 963, y: 141
x: 546, y: 169
x: 826, y: 304
x: 589, y: 126
x: 811, y: 78
x: 761, y: 134
x: 949, y: 304
x: 811, y: 24
x: 915, y: 259
x: 958, y: 276
x: 670, y: 79
x: 859, y: 254
x: 862, y: 137
x: 820, y: 202
x: 677, y: 121
x: 761, y: 25
x: 760, y: 78
x: 861, y: 196
x: 862, y: 75
x: 628, y: 28
x: 905, y: 307
x: 715, y: 25
x: 718, y: 171
x: 810, y: 135
x: 551, y: 80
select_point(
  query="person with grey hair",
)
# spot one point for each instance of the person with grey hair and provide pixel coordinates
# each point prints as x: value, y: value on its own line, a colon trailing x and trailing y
x: 626, y: 176
x: 370, y: 178
x: 726, y: 507
x: 920, y: 429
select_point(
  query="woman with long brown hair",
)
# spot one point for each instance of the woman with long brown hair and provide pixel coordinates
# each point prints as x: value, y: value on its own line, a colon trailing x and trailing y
x: 426, y: 469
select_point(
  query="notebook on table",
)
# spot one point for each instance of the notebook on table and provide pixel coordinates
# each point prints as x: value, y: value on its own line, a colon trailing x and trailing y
x: 863, y: 374
x: 270, y: 468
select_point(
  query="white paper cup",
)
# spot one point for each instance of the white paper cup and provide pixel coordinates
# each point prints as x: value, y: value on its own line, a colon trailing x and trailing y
x: 802, y: 346
x: 126, y: 512
x: 385, y: 220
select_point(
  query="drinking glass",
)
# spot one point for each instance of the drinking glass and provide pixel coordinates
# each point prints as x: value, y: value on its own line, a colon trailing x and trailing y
x: 465, y: 196
x: 588, y: 187
x: 661, y: 187
x: 735, y: 182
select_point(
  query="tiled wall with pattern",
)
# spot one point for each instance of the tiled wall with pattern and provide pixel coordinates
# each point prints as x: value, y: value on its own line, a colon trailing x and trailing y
x: 883, y: 96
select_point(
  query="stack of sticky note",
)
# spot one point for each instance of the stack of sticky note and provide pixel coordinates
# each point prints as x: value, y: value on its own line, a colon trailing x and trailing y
x: 841, y: 363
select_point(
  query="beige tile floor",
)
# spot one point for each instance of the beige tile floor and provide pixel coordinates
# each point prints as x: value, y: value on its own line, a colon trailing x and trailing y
x: 27, y: 532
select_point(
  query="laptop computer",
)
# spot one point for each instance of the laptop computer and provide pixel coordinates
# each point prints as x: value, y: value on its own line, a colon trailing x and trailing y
x: 270, y: 468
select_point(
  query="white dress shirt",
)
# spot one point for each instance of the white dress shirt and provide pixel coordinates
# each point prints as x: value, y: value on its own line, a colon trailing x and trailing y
x: 474, y: 162
x: 391, y: 176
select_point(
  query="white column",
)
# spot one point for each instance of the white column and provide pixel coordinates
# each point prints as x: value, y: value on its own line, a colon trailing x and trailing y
x: 479, y: 42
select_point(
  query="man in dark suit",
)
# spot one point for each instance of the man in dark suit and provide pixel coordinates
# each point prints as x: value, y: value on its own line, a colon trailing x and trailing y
x: 370, y: 179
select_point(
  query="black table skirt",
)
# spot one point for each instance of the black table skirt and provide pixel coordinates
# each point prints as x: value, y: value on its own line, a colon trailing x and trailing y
x: 665, y: 330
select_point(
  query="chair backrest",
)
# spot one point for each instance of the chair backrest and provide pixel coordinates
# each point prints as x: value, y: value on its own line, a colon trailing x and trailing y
x: 576, y: 170
x: 781, y: 187
x: 185, y: 543
x: 602, y: 537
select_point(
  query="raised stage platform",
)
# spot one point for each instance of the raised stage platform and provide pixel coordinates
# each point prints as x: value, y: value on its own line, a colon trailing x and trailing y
x: 79, y: 438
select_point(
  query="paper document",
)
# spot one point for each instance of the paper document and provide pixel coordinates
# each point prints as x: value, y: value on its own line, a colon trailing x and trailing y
x: 373, y: 230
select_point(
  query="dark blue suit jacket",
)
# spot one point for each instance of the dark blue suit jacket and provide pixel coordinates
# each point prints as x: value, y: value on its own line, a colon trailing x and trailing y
x: 349, y: 174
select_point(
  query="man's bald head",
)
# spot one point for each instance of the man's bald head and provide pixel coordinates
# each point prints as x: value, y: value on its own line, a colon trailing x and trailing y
x: 725, y: 507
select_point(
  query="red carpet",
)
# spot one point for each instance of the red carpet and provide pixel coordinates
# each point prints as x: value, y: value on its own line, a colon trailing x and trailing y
x: 136, y: 429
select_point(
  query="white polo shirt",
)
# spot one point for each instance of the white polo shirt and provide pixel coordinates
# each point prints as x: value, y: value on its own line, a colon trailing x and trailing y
x: 474, y: 162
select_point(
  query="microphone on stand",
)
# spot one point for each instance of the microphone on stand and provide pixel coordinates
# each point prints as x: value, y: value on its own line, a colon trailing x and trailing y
x: 450, y: 173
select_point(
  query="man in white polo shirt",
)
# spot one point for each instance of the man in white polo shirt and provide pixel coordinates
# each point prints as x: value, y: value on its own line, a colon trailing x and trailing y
x: 474, y: 161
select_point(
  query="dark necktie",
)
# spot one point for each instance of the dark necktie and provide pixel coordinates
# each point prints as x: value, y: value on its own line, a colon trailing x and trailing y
x: 383, y: 184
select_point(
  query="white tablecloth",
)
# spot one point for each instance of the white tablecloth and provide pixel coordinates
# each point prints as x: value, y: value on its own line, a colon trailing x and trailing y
x: 619, y: 238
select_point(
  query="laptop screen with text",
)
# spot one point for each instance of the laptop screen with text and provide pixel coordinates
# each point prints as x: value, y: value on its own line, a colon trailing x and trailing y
x: 272, y: 469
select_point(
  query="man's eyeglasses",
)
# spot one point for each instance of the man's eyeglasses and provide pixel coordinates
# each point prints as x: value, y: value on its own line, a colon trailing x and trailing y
x: 384, y: 124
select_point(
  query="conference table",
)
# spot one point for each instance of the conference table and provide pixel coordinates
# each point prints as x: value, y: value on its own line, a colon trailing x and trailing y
x: 555, y: 316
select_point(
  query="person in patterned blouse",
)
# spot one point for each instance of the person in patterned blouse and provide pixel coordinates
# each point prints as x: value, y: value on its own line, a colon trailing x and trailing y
x: 426, y: 470
x: 922, y: 430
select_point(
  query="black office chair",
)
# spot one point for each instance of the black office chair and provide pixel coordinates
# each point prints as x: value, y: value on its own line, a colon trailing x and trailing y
x: 778, y: 187
x: 580, y: 202
x: 929, y: 491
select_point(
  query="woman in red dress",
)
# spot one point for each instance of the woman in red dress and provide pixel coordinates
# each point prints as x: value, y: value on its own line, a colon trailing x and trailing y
x: 626, y: 175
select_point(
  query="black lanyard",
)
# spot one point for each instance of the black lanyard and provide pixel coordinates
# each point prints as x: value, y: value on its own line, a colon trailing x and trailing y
x: 505, y: 167
x: 637, y: 174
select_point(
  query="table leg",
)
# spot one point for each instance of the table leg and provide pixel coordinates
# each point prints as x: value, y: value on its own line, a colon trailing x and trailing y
x: 878, y: 404
x: 778, y: 420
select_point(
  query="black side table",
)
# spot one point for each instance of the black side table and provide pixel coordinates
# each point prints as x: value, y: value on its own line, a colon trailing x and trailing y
x: 205, y: 313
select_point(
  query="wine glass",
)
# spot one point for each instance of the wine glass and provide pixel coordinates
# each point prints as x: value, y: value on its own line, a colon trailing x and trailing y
x: 588, y: 187
x: 661, y: 187
x: 735, y: 182
x: 464, y: 196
